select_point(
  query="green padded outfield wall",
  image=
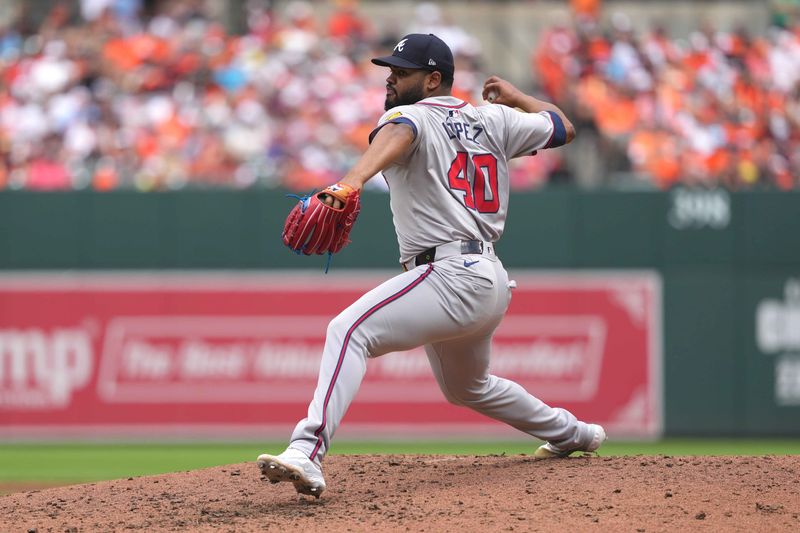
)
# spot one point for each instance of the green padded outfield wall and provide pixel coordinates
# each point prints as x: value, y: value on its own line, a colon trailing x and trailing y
x: 730, y: 265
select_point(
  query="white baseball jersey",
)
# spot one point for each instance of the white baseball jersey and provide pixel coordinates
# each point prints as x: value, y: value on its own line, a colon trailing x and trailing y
x: 453, y: 183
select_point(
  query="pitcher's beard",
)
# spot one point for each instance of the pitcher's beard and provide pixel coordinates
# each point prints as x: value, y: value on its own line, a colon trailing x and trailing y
x: 411, y: 96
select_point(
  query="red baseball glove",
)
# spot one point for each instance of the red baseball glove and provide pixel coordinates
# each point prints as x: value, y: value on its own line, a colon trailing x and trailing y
x: 314, y: 227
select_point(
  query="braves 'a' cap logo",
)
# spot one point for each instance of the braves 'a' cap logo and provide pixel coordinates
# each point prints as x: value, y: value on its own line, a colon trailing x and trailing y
x: 399, y: 46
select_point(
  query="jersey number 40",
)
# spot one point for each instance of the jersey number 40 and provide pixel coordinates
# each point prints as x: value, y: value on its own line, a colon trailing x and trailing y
x: 480, y: 193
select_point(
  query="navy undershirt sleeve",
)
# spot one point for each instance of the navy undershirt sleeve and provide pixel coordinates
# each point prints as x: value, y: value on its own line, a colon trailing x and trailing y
x: 398, y: 120
x: 559, y: 137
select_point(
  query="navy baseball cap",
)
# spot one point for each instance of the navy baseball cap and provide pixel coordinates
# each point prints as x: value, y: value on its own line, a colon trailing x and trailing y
x: 418, y: 50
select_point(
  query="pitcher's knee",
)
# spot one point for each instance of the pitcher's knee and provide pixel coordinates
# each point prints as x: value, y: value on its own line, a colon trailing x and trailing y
x: 341, y: 331
x: 338, y: 326
x: 451, y: 398
x: 468, y: 396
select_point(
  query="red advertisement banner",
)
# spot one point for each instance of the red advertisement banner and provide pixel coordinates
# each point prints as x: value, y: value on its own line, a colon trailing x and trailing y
x: 95, y: 355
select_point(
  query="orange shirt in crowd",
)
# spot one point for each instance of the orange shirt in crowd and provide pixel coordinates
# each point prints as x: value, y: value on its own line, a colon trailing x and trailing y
x: 717, y: 162
x: 345, y: 22
x: 128, y: 53
x: 599, y: 49
x: 105, y: 179
x: 587, y: 8
x: 654, y: 152
x: 617, y: 115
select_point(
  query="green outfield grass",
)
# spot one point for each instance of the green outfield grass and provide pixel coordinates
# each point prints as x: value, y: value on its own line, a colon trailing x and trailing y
x: 74, y: 463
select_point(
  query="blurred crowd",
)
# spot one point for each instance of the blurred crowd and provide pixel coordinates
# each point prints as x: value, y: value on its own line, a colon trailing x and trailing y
x: 718, y: 108
x: 114, y: 97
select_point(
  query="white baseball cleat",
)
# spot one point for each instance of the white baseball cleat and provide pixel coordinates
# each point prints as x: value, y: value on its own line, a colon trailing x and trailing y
x: 293, y: 465
x: 550, y: 451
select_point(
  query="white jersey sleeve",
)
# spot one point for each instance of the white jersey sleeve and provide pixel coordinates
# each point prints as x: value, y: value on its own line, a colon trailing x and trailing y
x: 406, y: 114
x: 525, y: 133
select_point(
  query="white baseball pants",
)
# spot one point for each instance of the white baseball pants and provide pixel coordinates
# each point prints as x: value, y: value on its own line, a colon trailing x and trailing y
x: 451, y: 306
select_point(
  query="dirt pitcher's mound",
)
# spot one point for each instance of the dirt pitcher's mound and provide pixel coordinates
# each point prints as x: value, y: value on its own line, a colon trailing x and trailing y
x: 438, y: 493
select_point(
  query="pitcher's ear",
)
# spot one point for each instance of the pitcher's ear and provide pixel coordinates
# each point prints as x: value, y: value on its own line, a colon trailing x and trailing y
x: 434, y: 80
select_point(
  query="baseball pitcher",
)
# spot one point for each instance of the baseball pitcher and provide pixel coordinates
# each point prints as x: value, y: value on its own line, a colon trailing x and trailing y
x: 446, y: 164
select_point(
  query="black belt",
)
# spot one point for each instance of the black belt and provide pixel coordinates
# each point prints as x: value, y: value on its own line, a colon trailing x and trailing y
x: 467, y: 247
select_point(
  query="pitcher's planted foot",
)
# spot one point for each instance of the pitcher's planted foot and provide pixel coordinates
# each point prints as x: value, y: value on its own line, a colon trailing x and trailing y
x: 293, y: 465
x: 550, y: 451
